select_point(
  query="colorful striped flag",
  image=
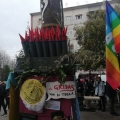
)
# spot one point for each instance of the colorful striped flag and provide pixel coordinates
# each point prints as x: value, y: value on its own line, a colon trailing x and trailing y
x: 112, y: 35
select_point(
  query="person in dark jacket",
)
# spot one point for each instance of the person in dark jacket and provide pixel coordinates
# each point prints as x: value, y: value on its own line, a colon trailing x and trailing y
x: 87, y: 93
x: 2, y: 97
x: 111, y: 93
x: 79, y: 91
x: 7, y: 98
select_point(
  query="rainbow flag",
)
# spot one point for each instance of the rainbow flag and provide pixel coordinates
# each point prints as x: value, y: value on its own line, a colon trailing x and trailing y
x: 112, y: 44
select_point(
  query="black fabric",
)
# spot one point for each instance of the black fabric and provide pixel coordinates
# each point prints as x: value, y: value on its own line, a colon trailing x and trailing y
x: 110, y: 92
x: 0, y: 105
x: 3, y: 105
x: 7, y: 92
x: 79, y: 87
x: 112, y: 101
x: 87, y: 88
x: 2, y: 96
x: 3, y: 91
x: 7, y: 103
x: 102, y: 103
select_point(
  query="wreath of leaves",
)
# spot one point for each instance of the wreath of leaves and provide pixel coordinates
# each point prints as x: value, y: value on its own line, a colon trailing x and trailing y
x: 65, y: 66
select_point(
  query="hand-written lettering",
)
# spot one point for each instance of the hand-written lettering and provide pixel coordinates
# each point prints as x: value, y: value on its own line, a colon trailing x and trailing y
x: 58, y: 94
x: 66, y: 90
x: 64, y: 87
x: 52, y: 94
x: 67, y: 94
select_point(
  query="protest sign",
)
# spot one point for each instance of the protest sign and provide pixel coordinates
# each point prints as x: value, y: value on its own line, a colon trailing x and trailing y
x: 56, y: 90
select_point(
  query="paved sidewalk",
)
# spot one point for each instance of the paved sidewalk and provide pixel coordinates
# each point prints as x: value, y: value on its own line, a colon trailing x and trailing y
x: 87, y: 115
x: 2, y: 117
x: 99, y: 115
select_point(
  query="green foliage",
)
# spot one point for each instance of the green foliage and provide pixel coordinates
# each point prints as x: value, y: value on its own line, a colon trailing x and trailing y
x: 5, y: 72
x: 117, y: 8
x: 65, y: 66
x: 91, y: 37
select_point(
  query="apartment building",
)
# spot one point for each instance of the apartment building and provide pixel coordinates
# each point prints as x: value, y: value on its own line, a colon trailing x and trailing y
x: 73, y: 16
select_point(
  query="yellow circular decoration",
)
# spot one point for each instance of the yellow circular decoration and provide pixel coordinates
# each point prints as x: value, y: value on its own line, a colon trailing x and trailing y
x: 32, y: 91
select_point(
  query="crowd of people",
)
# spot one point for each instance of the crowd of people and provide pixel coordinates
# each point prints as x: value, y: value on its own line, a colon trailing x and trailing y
x: 4, y: 98
x: 96, y: 87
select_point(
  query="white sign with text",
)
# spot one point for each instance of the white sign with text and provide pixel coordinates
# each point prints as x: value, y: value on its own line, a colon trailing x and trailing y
x: 56, y: 90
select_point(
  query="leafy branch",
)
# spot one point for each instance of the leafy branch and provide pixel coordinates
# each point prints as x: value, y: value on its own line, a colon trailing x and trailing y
x: 64, y: 66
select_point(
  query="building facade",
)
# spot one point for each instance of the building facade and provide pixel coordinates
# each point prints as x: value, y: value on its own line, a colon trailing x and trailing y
x: 73, y: 16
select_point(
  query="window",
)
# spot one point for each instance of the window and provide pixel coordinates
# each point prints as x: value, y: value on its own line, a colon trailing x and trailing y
x: 40, y: 21
x: 68, y: 18
x: 79, y: 16
x: 70, y: 32
x: 91, y: 12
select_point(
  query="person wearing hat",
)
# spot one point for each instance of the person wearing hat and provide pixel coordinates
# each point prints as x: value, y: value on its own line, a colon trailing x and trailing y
x: 2, y: 97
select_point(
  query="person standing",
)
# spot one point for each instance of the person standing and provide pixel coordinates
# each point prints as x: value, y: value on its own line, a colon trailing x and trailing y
x: 87, y: 93
x: 111, y: 93
x: 0, y: 106
x: 79, y: 91
x: 100, y: 91
x: 7, y: 98
x: 2, y: 97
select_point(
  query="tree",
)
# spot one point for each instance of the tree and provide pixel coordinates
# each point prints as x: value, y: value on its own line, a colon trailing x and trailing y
x: 6, y: 60
x: 5, y: 72
x: 91, y: 37
x: 117, y: 6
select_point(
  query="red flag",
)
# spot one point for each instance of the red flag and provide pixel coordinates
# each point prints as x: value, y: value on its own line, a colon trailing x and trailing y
x: 64, y: 32
x: 26, y: 35
x: 43, y: 35
x: 37, y: 35
x: 58, y: 32
x: 51, y: 34
x: 41, y: 32
x: 46, y: 33
x: 34, y: 34
x: 31, y: 33
x: 22, y: 39
x: 52, y: 31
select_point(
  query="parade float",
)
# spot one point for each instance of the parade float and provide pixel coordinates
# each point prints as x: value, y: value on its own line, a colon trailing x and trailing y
x: 42, y: 86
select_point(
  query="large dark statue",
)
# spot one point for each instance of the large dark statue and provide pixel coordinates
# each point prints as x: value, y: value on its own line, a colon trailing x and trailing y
x: 52, y: 13
x: 48, y: 42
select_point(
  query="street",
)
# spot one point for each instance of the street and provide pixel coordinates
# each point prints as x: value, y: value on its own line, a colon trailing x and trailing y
x: 99, y: 115
x: 88, y: 115
x: 3, y: 118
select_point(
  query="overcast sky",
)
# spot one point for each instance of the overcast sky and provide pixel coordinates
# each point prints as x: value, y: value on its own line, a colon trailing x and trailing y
x: 14, y: 15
